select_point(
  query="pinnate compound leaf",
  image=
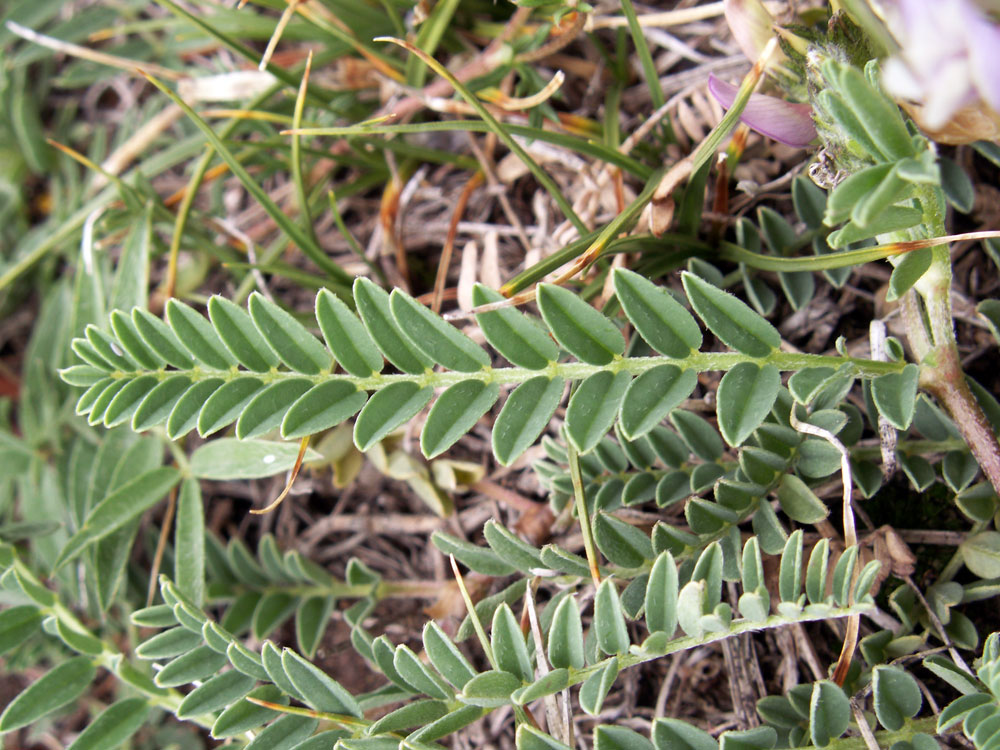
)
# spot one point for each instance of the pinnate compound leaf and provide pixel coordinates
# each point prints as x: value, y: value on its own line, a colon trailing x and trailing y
x: 346, y: 337
x: 609, y: 619
x: 660, y: 319
x: 62, y: 684
x: 895, y: 395
x: 320, y: 690
x: 674, y: 734
x: 376, y: 314
x: 565, y: 647
x: 593, y: 408
x: 196, y: 335
x: 229, y: 458
x: 579, y: 328
x: 113, y: 726
x: 736, y: 325
x: 829, y: 713
x: 455, y: 413
x: 323, y: 406
x: 508, y: 644
x: 517, y: 337
x: 240, y: 336
x: 296, y: 347
x: 652, y: 396
x: 746, y: 394
x: 389, y: 408
x: 120, y: 507
x: 435, y: 337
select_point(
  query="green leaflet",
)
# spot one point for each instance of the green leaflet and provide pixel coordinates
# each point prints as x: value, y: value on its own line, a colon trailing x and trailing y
x: 790, y: 568
x: 311, y: 618
x: 296, y: 347
x: 517, y: 337
x: 345, y: 336
x: 128, y: 337
x: 411, y: 669
x: 510, y: 548
x: 745, y: 397
x: 244, y: 716
x: 593, y: 408
x: 829, y: 713
x: 113, y: 726
x: 565, y: 647
x: 455, y: 413
x: 159, y: 402
x: 229, y: 458
x: 660, y: 319
x: 376, y: 314
x: 621, y: 542
x: 607, y: 737
x: 417, y: 714
x: 284, y: 734
x: 736, y: 325
x: 323, y: 406
x: 197, y: 336
x: 126, y: 503
x: 320, y: 690
x: 128, y: 399
x: 652, y: 396
x: 479, y: 559
x: 674, y: 734
x: 908, y: 272
x: 240, y: 336
x: 17, y: 624
x: 226, y: 404
x: 446, y: 657
x: 579, y: 328
x: 161, y: 339
x: 388, y: 409
x: 699, y: 435
x: 490, y: 689
x: 103, y: 401
x: 553, y: 682
x: 108, y: 349
x: 529, y: 738
x: 597, y: 686
x: 197, y: 664
x: 524, y: 416
x: 184, y: 416
x: 609, y: 620
x: 895, y: 396
x: 439, y: 340
x: 268, y: 407
x: 661, y: 596
x: 799, y: 502
x: 508, y: 644
x: 53, y: 690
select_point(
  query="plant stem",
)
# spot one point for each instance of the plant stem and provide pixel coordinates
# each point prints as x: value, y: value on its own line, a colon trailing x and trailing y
x: 940, y: 368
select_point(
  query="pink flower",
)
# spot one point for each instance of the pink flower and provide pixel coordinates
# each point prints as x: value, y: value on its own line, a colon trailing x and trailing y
x: 786, y: 122
x: 948, y: 57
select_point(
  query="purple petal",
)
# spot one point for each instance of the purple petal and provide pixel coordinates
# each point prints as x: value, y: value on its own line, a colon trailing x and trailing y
x: 785, y: 122
x: 983, y: 38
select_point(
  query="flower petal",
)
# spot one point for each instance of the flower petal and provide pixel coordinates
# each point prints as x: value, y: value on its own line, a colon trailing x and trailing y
x: 785, y: 122
x: 984, y: 40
